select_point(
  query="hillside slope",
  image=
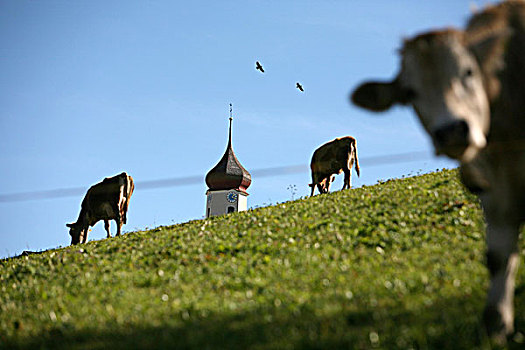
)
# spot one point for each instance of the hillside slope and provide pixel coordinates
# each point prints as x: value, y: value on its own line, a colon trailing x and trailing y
x: 395, y: 265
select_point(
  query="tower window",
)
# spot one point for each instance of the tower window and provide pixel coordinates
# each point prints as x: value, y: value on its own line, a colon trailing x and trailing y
x: 231, y: 209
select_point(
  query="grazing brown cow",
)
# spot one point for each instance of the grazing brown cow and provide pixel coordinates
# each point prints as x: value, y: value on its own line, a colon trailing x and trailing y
x: 331, y: 158
x: 468, y: 90
x: 107, y: 200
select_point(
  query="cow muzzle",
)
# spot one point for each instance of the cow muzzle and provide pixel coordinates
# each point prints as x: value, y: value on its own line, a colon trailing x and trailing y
x: 75, y: 240
x: 452, y: 139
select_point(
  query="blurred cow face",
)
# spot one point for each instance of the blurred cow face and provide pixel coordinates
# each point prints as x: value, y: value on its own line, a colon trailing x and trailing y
x: 324, y: 186
x: 77, y: 232
x: 441, y: 79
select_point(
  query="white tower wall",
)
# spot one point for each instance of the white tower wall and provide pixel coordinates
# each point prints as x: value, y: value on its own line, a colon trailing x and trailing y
x: 222, y: 202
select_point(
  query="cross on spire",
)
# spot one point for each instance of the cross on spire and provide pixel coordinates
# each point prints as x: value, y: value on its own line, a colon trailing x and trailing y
x: 230, y: 133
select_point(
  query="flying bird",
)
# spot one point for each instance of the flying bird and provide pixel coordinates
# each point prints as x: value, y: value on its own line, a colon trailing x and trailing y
x: 300, y: 87
x: 259, y: 67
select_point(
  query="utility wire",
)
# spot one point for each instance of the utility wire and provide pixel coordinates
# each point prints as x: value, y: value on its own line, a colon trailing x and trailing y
x: 194, y: 180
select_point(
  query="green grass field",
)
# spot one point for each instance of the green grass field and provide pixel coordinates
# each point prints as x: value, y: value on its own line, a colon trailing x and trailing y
x: 397, y: 265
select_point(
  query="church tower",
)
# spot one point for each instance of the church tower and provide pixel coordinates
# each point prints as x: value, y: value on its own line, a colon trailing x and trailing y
x: 227, y: 183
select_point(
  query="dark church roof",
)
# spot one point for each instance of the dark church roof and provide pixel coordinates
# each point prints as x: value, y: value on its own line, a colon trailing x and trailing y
x: 228, y: 174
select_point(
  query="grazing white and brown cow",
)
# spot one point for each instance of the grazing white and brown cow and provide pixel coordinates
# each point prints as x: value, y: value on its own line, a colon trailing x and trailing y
x: 107, y: 200
x: 468, y: 90
x: 332, y: 158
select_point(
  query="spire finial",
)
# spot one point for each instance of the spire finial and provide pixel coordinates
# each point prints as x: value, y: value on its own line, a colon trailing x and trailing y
x: 231, y: 118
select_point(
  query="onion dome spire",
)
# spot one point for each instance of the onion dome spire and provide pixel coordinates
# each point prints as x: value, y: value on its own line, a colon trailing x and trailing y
x: 229, y: 174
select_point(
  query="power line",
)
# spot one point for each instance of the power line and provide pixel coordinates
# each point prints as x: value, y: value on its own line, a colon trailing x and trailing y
x: 194, y: 180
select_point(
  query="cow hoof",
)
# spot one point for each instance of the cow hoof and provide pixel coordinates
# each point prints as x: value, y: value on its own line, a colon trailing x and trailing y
x: 496, y: 328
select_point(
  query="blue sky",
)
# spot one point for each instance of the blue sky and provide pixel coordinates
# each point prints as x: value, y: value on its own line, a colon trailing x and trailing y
x: 89, y: 89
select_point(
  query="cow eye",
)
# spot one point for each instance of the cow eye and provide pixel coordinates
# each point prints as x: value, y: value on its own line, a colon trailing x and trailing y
x: 468, y: 73
x: 467, y: 77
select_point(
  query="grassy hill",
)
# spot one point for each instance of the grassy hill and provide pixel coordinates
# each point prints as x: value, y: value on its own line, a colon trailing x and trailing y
x: 395, y: 265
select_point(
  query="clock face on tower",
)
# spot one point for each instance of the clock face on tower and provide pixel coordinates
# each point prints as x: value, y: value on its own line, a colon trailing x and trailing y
x: 231, y: 197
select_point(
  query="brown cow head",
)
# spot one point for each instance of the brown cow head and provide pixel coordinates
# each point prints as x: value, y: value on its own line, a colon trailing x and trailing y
x: 442, y: 81
x: 77, y: 231
x: 324, y: 185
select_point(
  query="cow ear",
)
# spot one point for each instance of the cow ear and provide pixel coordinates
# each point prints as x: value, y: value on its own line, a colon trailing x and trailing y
x: 486, y: 51
x: 378, y: 96
x: 69, y: 225
x: 485, y: 45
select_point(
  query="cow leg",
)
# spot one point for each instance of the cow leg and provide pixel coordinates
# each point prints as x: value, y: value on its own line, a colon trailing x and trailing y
x: 83, y: 235
x: 502, y: 262
x: 106, y: 226
x: 328, y: 183
x: 118, y: 221
x: 313, y: 184
x: 347, y: 183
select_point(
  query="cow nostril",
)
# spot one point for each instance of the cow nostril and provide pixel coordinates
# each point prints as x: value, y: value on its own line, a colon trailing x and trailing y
x: 463, y: 128
x: 439, y: 135
x: 455, y: 132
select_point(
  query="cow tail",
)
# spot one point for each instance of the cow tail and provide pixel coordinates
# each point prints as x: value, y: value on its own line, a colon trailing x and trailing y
x: 130, y: 187
x: 357, y: 169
